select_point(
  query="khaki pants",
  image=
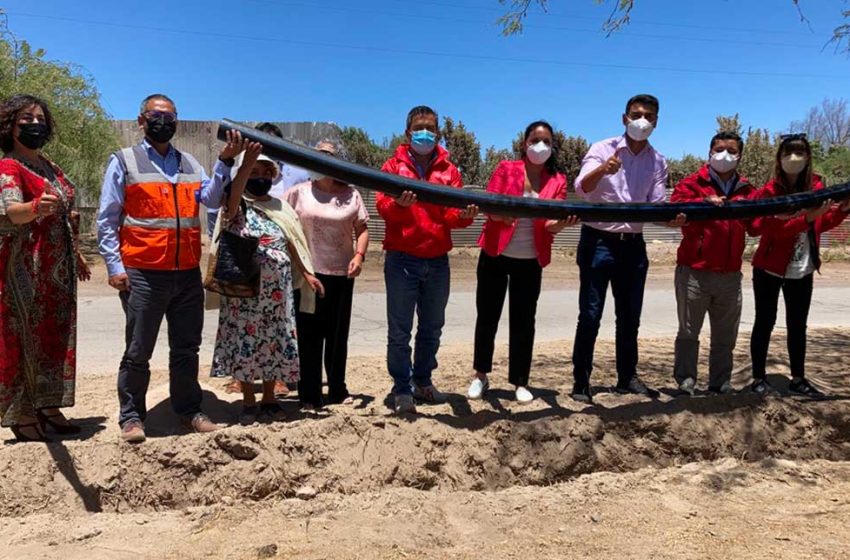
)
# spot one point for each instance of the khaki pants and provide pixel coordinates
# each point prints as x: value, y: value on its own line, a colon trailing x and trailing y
x: 718, y: 294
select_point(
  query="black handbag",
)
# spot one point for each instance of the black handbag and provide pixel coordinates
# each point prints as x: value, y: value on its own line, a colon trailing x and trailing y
x: 234, y: 271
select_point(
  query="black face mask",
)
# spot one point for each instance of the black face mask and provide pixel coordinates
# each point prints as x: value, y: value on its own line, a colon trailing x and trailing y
x: 33, y: 135
x: 160, y: 131
x: 257, y: 186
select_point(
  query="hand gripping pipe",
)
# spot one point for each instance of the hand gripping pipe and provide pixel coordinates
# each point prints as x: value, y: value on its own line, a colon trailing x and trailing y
x: 522, y: 207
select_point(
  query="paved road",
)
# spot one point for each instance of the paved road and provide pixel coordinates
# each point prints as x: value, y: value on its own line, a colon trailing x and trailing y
x: 101, y: 322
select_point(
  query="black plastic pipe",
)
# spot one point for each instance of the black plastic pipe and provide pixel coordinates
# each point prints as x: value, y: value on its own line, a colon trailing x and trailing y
x: 521, y: 207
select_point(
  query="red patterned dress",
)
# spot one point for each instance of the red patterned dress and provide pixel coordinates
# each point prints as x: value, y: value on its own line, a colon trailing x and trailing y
x: 38, y: 296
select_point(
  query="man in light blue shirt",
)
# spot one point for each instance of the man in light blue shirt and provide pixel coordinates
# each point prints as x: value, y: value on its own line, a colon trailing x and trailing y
x: 149, y: 234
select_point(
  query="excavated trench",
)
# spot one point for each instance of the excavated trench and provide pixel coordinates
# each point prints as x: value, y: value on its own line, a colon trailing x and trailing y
x: 352, y: 454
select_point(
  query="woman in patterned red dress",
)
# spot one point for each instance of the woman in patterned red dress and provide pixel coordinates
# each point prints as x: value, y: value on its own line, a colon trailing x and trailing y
x: 40, y: 264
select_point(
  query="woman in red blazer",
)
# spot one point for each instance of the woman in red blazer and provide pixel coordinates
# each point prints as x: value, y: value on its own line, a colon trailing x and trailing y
x: 513, y: 254
x: 786, y: 260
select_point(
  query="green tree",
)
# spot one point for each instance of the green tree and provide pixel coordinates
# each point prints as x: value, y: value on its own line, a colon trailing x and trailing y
x: 729, y: 123
x: 389, y: 145
x: 833, y: 164
x: 759, y: 156
x: 570, y: 152
x: 84, y: 136
x: 464, y: 148
x: 492, y: 157
x: 361, y: 149
x: 511, y: 22
x: 678, y: 169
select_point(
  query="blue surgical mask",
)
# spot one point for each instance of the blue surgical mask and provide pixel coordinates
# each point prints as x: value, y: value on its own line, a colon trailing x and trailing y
x: 423, y: 141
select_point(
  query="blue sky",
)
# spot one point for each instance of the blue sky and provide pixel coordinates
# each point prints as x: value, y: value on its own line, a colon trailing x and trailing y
x: 366, y: 63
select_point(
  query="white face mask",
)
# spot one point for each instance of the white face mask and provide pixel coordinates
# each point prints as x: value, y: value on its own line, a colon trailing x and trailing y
x: 639, y: 129
x: 793, y: 163
x: 538, y: 153
x: 723, y: 162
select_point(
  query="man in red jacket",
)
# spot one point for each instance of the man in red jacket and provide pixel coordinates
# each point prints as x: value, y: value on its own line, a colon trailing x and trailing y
x: 708, y: 275
x: 416, y: 269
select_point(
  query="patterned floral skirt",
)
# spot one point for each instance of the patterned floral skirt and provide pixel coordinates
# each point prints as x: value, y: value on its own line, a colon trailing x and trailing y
x: 256, y: 336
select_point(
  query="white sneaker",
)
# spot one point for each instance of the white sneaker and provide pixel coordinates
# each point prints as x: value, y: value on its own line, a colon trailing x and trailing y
x: 687, y: 386
x: 477, y: 388
x: 523, y: 395
x: 725, y: 389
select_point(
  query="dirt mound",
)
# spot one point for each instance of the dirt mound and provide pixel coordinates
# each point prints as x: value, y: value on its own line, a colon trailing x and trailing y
x: 348, y: 454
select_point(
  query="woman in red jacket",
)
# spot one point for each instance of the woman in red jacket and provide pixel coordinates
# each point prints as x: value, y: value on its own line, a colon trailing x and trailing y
x: 513, y: 254
x: 786, y: 259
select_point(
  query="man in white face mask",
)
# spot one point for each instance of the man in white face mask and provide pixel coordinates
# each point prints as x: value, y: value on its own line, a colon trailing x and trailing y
x: 624, y: 168
x: 708, y: 275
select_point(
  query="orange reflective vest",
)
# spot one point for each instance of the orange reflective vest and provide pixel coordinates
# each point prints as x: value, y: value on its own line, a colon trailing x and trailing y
x: 160, y: 229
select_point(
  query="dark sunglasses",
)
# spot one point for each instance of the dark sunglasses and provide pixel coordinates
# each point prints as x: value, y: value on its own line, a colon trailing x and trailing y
x: 794, y: 136
x: 164, y: 116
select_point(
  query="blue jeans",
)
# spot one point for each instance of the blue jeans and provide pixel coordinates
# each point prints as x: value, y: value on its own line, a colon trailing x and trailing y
x: 178, y: 297
x: 420, y: 286
x: 604, y: 259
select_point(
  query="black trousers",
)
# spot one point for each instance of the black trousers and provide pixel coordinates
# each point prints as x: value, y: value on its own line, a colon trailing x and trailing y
x: 496, y: 277
x: 798, y: 299
x: 324, y: 335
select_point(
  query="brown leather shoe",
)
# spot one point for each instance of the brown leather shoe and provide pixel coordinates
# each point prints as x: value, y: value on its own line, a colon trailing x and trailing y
x: 133, y: 431
x: 201, y: 424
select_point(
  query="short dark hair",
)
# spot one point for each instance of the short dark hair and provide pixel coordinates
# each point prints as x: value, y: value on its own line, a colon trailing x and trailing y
x: 9, y: 111
x: 418, y: 111
x: 643, y: 99
x: 270, y: 128
x: 727, y: 135
x: 153, y: 97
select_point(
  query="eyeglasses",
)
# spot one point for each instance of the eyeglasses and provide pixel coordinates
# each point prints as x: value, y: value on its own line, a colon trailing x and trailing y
x: 327, y: 153
x: 164, y: 116
x: 794, y: 136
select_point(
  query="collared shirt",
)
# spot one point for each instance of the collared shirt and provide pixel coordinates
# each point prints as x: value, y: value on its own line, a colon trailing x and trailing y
x: 728, y: 187
x: 111, y: 210
x: 641, y: 178
x: 423, y: 171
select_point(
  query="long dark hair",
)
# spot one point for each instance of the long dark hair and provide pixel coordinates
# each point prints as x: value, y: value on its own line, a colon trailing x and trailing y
x: 551, y: 163
x: 9, y: 111
x: 804, y: 180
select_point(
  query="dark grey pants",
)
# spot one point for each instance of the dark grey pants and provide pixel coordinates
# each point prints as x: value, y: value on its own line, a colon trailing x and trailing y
x: 719, y: 294
x: 179, y: 297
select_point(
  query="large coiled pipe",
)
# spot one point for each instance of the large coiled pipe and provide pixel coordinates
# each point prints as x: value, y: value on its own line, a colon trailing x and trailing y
x: 372, y: 179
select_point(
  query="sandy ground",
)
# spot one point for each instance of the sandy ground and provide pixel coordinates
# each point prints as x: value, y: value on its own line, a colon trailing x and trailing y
x: 703, y: 477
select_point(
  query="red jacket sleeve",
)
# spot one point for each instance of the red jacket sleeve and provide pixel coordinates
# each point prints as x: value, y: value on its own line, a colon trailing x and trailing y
x: 685, y: 192
x: 831, y: 219
x: 452, y: 215
x: 561, y: 191
x: 499, y: 180
x: 772, y: 225
x: 385, y: 204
